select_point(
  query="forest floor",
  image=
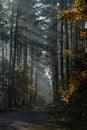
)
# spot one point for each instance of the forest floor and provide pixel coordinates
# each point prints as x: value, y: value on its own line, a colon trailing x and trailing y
x: 27, y: 120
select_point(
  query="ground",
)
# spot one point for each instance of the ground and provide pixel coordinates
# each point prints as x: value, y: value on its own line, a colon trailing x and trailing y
x: 26, y: 120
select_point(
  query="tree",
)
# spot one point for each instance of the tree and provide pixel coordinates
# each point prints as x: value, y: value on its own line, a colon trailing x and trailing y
x: 20, y: 86
x: 76, y: 95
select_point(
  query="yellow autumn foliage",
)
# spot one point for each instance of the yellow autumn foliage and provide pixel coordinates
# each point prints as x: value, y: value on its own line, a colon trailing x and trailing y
x: 84, y: 74
x: 77, y: 13
x: 78, y: 3
x: 83, y: 34
x: 40, y: 94
x: 69, y: 52
x: 72, y: 89
x: 17, y: 68
x: 66, y: 94
x: 31, y: 89
x: 78, y: 82
x: 78, y: 79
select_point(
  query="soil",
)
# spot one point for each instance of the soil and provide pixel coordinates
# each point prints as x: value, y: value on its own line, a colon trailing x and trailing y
x: 28, y: 120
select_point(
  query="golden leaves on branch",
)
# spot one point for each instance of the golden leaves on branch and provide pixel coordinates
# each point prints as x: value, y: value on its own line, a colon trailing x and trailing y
x: 74, y: 84
x: 78, y: 81
x: 66, y: 94
x: 76, y: 14
x: 79, y: 3
x: 69, y: 52
x: 84, y: 74
x: 40, y: 94
x: 31, y: 89
x: 83, y: 34
x: 19, y: 66
x: 73, y: 52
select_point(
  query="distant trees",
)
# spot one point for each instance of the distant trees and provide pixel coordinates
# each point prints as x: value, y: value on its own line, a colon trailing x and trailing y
x: 31, y: 36
x: 19, y: 44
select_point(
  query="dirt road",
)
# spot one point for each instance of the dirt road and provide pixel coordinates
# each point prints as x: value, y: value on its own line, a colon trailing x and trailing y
x: 33, y: 120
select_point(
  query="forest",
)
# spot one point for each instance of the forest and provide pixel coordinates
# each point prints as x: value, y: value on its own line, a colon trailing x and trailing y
x: 43, y: 63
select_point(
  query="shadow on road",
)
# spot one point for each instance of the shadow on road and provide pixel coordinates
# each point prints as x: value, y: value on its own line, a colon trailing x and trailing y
x: 23, y: 120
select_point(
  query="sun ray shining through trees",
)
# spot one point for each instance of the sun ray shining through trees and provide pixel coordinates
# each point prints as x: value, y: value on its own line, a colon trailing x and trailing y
x: 43, y: 60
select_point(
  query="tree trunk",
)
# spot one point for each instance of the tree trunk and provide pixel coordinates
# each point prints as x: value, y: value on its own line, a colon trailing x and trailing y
x: 54, y: 53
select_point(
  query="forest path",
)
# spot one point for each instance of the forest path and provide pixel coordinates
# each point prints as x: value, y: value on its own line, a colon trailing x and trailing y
x: 29, y: 120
